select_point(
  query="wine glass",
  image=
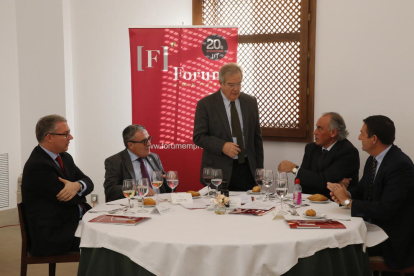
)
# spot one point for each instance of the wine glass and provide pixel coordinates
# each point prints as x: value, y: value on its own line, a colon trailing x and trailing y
x: 207, y: 175
x: 268, y: 179
x: 172, y: 180
x: 143, y: 189
x: 281, y: 189
x: 157, y: 181
x: 259, y: 180
x: 217, y: 178
x: 128, y: 189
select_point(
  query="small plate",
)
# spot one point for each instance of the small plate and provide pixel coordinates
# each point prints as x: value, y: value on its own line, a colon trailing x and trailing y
x: 317, y: 216
x: 149, y: 206
x: 251, y: 193
x: 195, y: 197
x: 320, y: 202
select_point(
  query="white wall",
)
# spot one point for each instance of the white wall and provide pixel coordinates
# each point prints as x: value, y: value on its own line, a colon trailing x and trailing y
x: 41, y: 65
x: 102, y: 72
x: 9, y: 95
x: 364, y: 63
x: 364, y: 66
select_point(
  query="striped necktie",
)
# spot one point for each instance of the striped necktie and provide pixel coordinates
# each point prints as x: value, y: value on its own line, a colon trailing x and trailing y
x: 371, y: 184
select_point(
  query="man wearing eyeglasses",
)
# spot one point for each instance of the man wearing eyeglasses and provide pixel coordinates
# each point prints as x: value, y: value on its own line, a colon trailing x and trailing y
x: 134, y: 162
x: 53, y: 190
x: 227, y: 127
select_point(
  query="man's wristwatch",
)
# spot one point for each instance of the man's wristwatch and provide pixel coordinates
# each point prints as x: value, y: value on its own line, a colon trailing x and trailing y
x: 295, y: 170
x: 347, y: 202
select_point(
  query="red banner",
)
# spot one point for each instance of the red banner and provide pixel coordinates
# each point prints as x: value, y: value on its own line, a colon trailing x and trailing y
x: 171, y: 69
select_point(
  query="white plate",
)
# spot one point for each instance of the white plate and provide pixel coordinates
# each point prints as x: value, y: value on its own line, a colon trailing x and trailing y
x: 149, y: 206
x: 317, y: 216
x: 195, y: 197
x: 251, y: 193
x: 320, y: 202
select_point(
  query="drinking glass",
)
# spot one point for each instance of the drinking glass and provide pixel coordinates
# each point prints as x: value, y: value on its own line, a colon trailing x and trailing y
x: 157, y: 181
x: 207, y: 175
x: 172, y: 180
x: 281, y: 189
x: 143, y: 189
x: 217, y: 178
x: 268, y: 179
x: 128, y: 189
x: 259, y: 180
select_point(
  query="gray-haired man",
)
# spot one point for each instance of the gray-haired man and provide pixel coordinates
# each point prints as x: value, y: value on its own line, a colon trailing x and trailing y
x: 134, y: 162
x: 331, y: 158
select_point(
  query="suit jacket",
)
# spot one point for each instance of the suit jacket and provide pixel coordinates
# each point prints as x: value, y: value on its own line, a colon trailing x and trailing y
x: 52, y: 223
x: 212, y: 131
x: 342, y: 161
x: 119, y: 167
x: 392, y: 206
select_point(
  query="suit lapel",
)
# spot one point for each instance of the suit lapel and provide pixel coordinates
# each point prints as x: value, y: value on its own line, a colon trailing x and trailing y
x: 152, y: 163
x: 52, y: 162
x: 329, y: 155
x: 128, y: 164
x: 382, y: 167
x: 244, y: 107
x: 221, y: 111
x: 67, y: 166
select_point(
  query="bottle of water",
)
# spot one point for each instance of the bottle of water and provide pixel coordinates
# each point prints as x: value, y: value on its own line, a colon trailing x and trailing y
x: 297, y: 193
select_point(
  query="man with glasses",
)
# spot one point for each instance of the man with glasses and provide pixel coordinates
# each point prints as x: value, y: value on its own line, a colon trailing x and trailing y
x: 134, y: 162
x: 227, y: 127
x: 53, y: 190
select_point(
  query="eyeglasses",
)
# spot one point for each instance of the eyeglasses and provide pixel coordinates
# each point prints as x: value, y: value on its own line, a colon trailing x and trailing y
x: 145, y: 141
x: 66, y: 135
x: 232, y: 85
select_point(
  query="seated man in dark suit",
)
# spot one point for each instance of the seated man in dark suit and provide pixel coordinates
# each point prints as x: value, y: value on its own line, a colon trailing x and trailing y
x: 134, y: 162
x: 384, y: 194
x: 53, y: 190
x: 331, y: 158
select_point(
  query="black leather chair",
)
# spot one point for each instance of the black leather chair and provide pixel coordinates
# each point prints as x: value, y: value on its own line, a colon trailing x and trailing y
x: 69, y: 257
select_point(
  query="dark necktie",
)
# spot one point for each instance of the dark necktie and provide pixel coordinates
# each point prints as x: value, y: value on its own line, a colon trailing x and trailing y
x: 237, y: 132
x: 320, y: 159
x: 59, y: 159
x: 144, y: 172
x: 371, y: 184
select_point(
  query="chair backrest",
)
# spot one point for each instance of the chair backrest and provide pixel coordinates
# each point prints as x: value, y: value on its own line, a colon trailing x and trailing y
x: 23, y: 227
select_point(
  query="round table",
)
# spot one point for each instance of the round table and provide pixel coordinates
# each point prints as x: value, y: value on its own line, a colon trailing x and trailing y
x: 199, y: 242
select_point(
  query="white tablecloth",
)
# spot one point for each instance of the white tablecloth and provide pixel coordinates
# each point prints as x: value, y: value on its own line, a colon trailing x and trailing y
x: 199, y: 242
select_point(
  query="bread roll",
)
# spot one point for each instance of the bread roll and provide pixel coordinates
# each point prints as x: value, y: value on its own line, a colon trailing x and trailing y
x: 149, y: 201
x: 256, y: 189
x: 310, y: 213
x: 318, y: 197
x: 193, y: 193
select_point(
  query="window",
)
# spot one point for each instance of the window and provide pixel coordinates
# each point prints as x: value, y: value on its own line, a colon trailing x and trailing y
x: 277, y: 53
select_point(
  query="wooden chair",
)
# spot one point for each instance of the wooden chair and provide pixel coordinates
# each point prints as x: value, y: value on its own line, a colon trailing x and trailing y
x: 377, y: 264
x: 69, y: 257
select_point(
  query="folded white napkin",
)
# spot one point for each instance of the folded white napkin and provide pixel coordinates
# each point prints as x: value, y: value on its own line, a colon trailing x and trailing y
x: 204, y: 191
x: 375, y: 235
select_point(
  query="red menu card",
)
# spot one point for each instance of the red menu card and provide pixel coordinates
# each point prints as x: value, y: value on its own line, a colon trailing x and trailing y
x: 315, y: 224
x: 123, y: 220
x: 257, y: 212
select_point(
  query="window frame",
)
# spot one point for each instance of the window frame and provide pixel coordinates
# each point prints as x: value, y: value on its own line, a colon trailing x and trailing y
x: 306, y: 36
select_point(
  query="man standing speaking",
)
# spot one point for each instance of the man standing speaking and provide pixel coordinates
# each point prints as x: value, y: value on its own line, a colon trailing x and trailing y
x: 227, y: 127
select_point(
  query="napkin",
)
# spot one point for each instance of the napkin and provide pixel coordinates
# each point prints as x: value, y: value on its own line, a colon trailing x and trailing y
x: 375, y: 235
x: 259, y: 205
x: 204, y: 191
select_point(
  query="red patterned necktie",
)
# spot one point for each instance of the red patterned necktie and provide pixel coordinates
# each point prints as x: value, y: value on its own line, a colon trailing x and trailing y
x: 144, y: 172
x: 61, y: 164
